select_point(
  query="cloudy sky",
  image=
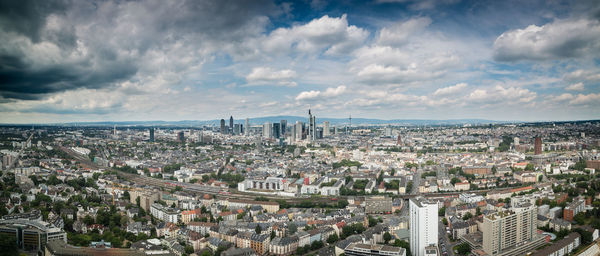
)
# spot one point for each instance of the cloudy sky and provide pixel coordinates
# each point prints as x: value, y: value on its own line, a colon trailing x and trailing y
x: 391, y: 59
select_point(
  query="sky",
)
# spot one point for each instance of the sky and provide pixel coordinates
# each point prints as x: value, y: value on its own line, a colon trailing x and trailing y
x: 77, y: 61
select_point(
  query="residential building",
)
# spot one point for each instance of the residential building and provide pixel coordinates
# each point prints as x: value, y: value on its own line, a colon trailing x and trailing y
x: 424, y: 221
x: 563, y: 247
x: 505, y: 230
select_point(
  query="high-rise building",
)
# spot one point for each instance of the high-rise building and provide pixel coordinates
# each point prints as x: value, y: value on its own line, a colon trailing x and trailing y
x: 151, y: 134
x: 230, y: 124
x: 181, y: 137
x: 276, y: 130
x: 516, y: 141
x: 237, y: 129
x: 503, y: 231
x: 326, y: 129
x: 299, y: 131
x: 222, y: 126
x: 423, y: 225
x: 538, y: 146
x: 267, y: 130
x: 247, y: 127
x: 292, y: 133
x: 283, y: 124
x: 312, y: 128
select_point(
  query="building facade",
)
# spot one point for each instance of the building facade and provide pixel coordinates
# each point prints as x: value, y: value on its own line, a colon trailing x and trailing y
x: 424, y: 221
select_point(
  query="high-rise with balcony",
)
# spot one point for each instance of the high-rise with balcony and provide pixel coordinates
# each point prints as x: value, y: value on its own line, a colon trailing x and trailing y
x: 507, y: 232
x: 423, y: 225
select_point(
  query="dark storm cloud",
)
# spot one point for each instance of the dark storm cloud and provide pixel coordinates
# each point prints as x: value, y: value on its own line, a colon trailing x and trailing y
x: 21, y: 82
x: 27, y: 17
x: 54, y: 46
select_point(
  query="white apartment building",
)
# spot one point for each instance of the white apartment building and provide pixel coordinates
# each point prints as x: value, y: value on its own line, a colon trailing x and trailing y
x: 423, y: 225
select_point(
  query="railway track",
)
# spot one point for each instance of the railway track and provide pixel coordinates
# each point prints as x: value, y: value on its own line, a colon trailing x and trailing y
x: 227, y: 193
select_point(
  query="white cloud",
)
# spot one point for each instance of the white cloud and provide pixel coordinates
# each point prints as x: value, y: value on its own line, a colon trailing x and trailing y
x: 575, y: 87
x: 583, y: 75
x: 557, y: 40
x: 450, y: 89
x: 409, y: 53
x: 500, y: 94
x: 331, y: 34
x: 328, y: 93
x: 585, y: 99
x: 400, y: 32
x: 269, y: 76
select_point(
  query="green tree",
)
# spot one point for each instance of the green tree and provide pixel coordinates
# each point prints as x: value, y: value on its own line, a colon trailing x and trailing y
x: 332, y: 239
x: 463, y: 249
x: 579, y: 218
x: 442, y: 211
x: 387, y: 237
x: 403, y: 244
x: 467, y: 216
x: 189, y: 249
x: 372, y: 221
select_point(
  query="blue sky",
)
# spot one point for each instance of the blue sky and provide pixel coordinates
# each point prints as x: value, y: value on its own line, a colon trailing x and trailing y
x: 390, y: 59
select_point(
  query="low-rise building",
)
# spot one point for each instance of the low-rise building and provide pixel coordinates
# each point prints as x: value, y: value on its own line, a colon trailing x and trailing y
x: 360, y: 249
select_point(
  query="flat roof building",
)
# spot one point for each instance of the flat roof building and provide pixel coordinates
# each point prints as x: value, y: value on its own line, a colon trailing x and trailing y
x: 423, y: 225
x: 359, y: 249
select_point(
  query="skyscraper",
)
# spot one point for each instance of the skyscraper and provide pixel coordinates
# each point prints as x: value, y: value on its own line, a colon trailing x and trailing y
x: 267, y: 130
x: 237, y: 129
x: 222, y: 126
x: 538, y: 146
x: 151, y: 134
x: 231, y: 124
x: 247, y: 127
x: 283, y: 127
x: 423, y: 225
x: 181, y: 136
x: 312, y: 129
x: 326, y: 129
x: 298, y: 130
x: 276, y: 130
x: 292, y: 133
x: 505, y: 230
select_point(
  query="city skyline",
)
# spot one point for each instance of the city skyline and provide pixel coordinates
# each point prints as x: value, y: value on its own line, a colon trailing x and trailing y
x: 204, y: 60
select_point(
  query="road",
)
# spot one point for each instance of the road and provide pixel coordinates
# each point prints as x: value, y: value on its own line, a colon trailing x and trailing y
x: 443, y: 239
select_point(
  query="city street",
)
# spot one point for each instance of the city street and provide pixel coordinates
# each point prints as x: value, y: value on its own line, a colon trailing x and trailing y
x: 443, y: 239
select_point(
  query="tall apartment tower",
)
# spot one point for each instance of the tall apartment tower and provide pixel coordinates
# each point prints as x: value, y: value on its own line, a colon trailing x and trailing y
x: 423, y: 225
x: 538, y: 146
x: 326, y: 129
x: 509, y: 229
x: 222, y: 126
x: 247, y: 127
